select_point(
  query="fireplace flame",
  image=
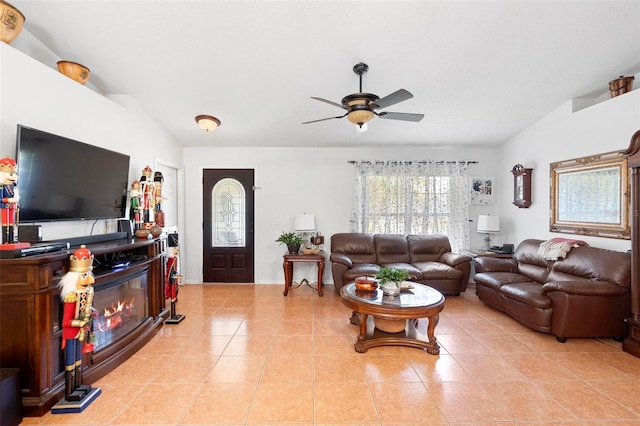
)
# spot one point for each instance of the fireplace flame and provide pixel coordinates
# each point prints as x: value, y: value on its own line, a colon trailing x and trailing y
x: 116, y: 314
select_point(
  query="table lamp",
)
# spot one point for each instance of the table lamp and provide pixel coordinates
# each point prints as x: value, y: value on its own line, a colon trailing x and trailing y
x: 305, y: 223
x: 488, y: 225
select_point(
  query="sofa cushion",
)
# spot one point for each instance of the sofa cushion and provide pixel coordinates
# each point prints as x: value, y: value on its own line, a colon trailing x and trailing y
x: 438, y: 271
x: 360, y: 270
x: 593, y: 264
x: 496, y: 280
x: 414, y: 273
x: 528, y: 293
x: 530, y: 263
x: 358, y: 246
x: 427, y: 248
x: 391, y: 248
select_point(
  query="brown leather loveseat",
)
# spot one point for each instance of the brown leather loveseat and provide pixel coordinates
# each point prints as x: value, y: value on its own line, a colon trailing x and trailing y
x: 427, y: 258
x: 586, y: 294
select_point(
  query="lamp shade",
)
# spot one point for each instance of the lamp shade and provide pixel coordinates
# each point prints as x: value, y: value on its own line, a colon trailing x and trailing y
x: 487, y: 223
x: 305, y: 222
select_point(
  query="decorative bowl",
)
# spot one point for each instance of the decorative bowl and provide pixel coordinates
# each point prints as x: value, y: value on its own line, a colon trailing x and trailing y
x: 366, y: 284
x: 156, y: 231
x: 74, y: 71
x: 11, y: 21
x: 310, y: 251
x: 142, y: 233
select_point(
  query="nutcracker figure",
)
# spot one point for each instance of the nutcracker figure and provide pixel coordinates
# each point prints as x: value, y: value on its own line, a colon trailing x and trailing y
x: 158, y: 179
x: 148, y: 195
x: 135, y: 212
x: 76, y: 292
x: 172, y: 280
x: 9, y: 201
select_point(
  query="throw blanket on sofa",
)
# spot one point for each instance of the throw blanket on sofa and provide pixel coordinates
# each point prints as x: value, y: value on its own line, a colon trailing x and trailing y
x: 557, y: 248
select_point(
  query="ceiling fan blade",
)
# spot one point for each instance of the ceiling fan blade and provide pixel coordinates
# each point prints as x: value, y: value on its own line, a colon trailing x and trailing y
x: 328, y: 102
x: 394, y: 98
x: 401, y: 116
x: 324, y: 119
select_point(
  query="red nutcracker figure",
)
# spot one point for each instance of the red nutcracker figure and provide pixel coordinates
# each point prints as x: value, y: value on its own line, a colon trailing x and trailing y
x: 9, y: 200
x: 76, y: 292
x: 148, y: 195
x: 172, y: 283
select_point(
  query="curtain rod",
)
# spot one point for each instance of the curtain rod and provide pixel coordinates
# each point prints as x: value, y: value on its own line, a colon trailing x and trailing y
x: 410, y: 162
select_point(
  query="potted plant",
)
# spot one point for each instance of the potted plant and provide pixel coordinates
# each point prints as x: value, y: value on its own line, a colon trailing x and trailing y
x: 292, y: 240
x: 391, y: 279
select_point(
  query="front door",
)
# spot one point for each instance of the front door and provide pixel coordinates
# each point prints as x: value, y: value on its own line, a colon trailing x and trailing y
x: 228, y: 225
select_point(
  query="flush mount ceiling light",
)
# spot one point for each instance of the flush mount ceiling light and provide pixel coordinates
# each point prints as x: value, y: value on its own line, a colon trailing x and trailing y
x: 208, y: 123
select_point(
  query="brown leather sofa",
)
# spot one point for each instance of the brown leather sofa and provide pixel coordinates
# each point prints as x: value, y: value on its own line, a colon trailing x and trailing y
x: 427, y: 258
x: 586, y: 294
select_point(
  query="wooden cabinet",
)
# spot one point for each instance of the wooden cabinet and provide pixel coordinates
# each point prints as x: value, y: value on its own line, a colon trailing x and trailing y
x: 632, y: 343
x: 30, y: 316
x: 521, y: 186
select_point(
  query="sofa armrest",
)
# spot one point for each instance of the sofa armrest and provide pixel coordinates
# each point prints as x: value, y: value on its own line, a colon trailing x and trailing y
x: 342, y: 259
x: 585, y: 288
x: 454, y: 259
x: 495, y: 264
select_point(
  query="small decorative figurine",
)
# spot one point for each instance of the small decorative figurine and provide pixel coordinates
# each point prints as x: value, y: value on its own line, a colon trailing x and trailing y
x: 9, y: 205
x: 9, y: 199
x: 158, y: 179
x: 76, y: 292
x: 148, y: 195
x: 135, y: 211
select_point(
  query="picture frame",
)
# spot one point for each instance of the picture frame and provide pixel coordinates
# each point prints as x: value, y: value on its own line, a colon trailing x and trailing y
x: 481, y: 191
x: 590, y: 196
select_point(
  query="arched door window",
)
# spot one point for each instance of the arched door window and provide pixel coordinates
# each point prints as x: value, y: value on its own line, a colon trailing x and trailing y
x: 228, y: 214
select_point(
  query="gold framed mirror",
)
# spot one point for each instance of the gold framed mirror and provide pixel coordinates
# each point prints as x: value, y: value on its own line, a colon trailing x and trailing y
x: 590, y: 196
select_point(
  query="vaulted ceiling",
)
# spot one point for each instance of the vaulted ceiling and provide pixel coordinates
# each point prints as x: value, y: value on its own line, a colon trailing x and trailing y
x: 480, y: 71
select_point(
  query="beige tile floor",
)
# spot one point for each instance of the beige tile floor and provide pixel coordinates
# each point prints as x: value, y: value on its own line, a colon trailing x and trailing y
x: 247, y: 355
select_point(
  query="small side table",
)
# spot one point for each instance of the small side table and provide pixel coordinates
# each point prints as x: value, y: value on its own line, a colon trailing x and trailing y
x: 473, y: 253
x: 290, y: 259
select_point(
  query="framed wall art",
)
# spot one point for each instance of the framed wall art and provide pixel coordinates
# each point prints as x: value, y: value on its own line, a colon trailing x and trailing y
x: 481, y: 191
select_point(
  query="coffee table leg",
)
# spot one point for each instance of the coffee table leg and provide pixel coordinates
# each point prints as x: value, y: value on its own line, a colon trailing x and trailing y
x: 434, y: 348
x: 360, y: 346
x: 355, y: 318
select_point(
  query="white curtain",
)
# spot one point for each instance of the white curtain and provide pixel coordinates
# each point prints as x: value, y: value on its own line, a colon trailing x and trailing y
x: 413, y: 197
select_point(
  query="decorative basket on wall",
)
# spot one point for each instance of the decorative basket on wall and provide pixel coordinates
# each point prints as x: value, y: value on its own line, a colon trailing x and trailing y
x: 74, y: 71
x: 11, y: 21
x: 621, y: 85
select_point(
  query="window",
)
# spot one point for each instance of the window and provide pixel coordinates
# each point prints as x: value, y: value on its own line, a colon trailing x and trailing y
x: 412, y: 198
x: 228, y: 214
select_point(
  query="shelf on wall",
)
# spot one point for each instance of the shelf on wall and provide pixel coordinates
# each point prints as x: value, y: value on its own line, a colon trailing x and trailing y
x: 588, y: 100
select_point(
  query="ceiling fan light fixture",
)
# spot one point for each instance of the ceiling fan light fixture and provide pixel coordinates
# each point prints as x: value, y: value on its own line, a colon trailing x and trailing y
x: 360, y: 116
x: 208, y: 123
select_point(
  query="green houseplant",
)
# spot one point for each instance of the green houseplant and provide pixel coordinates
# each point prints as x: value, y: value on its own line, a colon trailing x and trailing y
x: 391, y: 279
x: 292, y: 240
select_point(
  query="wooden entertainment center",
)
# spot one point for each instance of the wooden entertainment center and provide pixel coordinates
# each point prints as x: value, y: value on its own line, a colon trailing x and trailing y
x: 30, y: 315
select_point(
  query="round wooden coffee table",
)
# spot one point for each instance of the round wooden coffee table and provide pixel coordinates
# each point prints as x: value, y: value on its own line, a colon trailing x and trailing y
x: 419, y: 301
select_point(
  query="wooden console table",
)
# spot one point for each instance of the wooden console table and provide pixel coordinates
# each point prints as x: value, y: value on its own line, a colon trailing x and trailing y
x: 290, y: 259
x: 30, y: 317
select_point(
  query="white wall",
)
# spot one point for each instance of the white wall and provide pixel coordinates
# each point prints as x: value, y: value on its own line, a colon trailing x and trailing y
x: 36, y: 95
x: 563, y: 135
x: 292, y: 181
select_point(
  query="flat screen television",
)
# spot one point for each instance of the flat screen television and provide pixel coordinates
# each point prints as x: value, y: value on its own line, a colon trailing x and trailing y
x: 64, y: 179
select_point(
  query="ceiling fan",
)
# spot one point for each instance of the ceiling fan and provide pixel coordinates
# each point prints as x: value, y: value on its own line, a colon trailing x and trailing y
x: 361, y: 107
